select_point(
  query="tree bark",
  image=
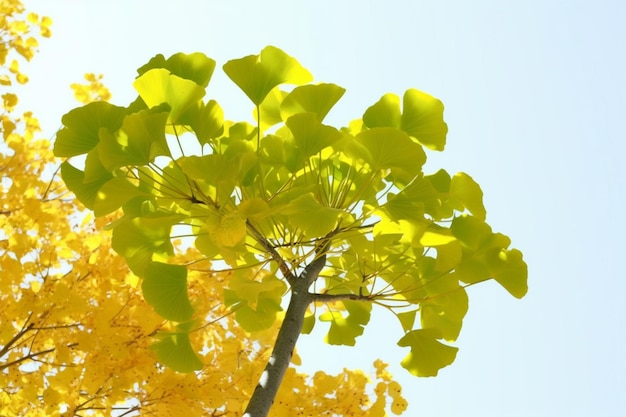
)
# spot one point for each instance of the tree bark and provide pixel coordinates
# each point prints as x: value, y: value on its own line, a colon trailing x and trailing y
x: 272, y: 376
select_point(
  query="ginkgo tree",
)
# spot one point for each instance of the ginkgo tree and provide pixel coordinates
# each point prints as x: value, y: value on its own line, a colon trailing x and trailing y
x: 75, y: 331
x: 338, y: 220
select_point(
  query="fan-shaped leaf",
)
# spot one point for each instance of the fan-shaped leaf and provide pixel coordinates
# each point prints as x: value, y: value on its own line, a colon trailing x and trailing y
x: 427, y: 355
x: 165, y: 289
x: 318, y: 99
x: 257, y: 75
x: 158, y: 86
x: 82, y: 125
x: 175, y: 351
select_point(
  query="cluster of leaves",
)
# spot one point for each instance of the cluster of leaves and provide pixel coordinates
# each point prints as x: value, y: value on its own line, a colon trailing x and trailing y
x: 75, y: 331
x: 19, y: 32
x: 268, y: 199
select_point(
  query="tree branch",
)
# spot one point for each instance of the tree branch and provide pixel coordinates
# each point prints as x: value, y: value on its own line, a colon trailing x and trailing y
x: 282, y: 265
x: 329, y: 298
x: 272, y: 376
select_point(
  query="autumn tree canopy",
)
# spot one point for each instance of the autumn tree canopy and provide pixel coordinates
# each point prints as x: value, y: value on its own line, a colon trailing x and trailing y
x: 340, y: 220
x: 77, y: 337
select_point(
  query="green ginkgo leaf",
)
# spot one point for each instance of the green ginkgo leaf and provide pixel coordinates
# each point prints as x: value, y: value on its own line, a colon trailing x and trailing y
x: 158, y: 86
x: 205, y: 119
x: 86, y: 190
x: 384, y: 113
x: 345, y: 328
x: 393, y: 149
x: 468, y: 193
x: 174, y: 350
x: 257, y: 75
x: 422, y: 118
x: 138, y: 239
x: 81, y: 127
x: 164, y: 287
x: 317, y: 99
x: 427, y: 355
x: 445, y: 312
x: 139, y: 141
x: 309, y: 135
x: 508, y: 268
x: 196, y: 67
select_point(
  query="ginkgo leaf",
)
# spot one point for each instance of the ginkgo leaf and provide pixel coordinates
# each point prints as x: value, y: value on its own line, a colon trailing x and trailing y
x: 196, y: 67
x: 81, y: 127
x: 509, y: 269
x: 257, y: 75
x: 139, y: 141
x: 390, y: 148
x: 114, y: 194
x: 345, y: 328
x: 205, y: 119
x: 422, y: 118
x: 470, y: 230
x: 86, y: 191
x: 175, y: 351
x: 158, y: 86
x: 384, y: 113
x: 465, y: 190
x: 427, y: 355
x: 310, y: 136
x: 308, y: 215
x: 317, y: 99
x: 261, y: 317
x: 270, y: 109
x: 445, y: 313
x: 407, y: 319
x: 164, y: 287
x: 138, y: 239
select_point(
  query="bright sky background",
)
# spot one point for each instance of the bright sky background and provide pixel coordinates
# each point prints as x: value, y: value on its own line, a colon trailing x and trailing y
x: 535, y: 95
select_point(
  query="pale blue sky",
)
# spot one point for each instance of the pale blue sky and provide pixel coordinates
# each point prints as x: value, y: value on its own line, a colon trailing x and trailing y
x: 535, y: 95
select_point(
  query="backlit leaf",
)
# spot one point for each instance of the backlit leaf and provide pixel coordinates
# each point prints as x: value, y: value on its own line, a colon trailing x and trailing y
x: 196, y: 67
x: 164, y: 287
x: 422, y: 118
x: 390, y: 148
x: 158, y: 86
x: 427, y: 355
x: 257, y: 75
x: 175, y: 351
x: 317, y: 99
x: 345, y: 328
x: 81, y: 127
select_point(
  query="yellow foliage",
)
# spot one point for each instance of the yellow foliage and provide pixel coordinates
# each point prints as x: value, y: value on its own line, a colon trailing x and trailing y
x: 93, y: 90
x: 74, y: 328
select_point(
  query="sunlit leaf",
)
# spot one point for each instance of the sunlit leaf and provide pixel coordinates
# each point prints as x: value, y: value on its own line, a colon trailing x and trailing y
x: 422, y: 118
x: 345, y: 328
x: 257, y: 75
x: 465, y: 190
x: 175, y: 351
x: 158, y: 86
x: 317, y: 99
x: 509, y: 269
x: 82, y: 125
x: 310, y: 136
x: 307, y: 214
x: 445, y: 313
x: 138, y: 239
x: 384, y: 113
x: 164, y: 287
x: 427, y: 355
x: 139, y: 141
x: 196, y: 67
x: 86, y: 191
x: 390, y: 148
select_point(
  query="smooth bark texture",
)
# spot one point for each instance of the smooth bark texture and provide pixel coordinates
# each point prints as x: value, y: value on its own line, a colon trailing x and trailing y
x: 272, y: 376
